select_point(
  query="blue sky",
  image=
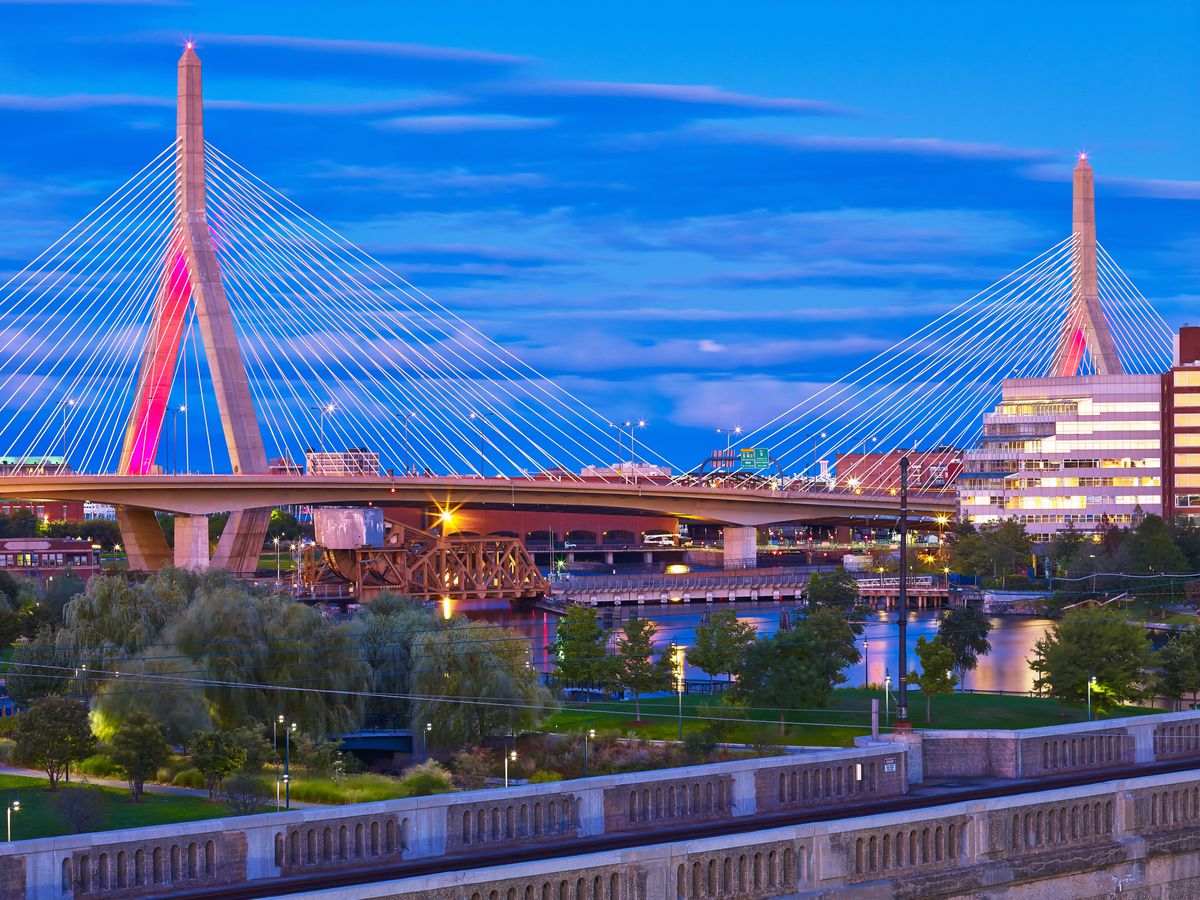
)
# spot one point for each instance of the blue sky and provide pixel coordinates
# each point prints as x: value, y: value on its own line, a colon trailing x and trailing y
x: 683, y: 211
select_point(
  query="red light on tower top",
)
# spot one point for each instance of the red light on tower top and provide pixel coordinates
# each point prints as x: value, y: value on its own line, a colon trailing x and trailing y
x: 187, y: 46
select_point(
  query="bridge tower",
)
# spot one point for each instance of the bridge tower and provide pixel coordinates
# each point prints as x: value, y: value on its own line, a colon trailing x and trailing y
x: 1086, y: 326
x: 191, y: 272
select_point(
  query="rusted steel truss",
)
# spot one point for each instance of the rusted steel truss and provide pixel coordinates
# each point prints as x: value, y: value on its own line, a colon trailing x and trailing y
x: 427, y: 567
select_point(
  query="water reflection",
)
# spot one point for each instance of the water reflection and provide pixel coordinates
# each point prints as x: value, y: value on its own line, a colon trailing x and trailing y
x: 1004, y: 669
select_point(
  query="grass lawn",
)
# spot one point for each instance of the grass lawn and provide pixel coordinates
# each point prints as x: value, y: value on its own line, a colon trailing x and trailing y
x: 848, y: 718
x: 37, y: 817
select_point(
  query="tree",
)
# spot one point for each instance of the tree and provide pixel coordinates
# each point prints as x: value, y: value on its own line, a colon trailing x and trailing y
x: 257, y: 749
x: 1153, y: 549
x: 475, y: 680
x: 1179, y: 665
x: 838, y: 633
x: 791, y: 668
x: 386, y: 631
x: 10, y: 622
x: 720, y: 643
x: 637, y: 669
x: 37, y: 668
x: 581, y: 648
x: 139, y: 748
x: 217, y: 755
x: 838, y: 588
x: 965, y: 629
x: 82, y: 808
x: 934, y: 678
x: 1092, y: 642
x: 52, y: 734
x: 1064, y: 545
x: 1004, y: 545
x: 246, y: 795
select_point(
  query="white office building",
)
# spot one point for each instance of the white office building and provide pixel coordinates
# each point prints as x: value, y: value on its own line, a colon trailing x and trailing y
x: 1084, y: 450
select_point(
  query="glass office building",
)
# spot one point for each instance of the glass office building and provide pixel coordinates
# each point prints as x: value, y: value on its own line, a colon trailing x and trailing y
x: 1085, y: 450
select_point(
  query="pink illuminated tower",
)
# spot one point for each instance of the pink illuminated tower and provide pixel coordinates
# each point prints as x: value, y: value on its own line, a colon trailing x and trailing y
x: 191, y: 273
x: 1086, y: 327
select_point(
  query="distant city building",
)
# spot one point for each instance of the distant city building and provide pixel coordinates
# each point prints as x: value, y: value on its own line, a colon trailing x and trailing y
x: 1181, y: 430
x: 626, y: 470
x: 355, y: 462
x: 43, y: 558
x: 876, y: 473
x: 99, y: 511
x: 1083, y: 450
x: 46, y: 510
x: 284, y: 465
x: 34, y: 465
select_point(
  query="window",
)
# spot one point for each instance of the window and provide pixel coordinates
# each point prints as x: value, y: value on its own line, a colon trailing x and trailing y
x: 1187, y: 378
x: 1187, y: 460
x: 1187, y: 420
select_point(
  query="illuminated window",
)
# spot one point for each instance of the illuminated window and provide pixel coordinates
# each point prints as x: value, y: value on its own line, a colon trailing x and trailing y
x: 1187, y: 378
x: 1187, y: 460
x: 1187, y: 481
x: 1187, y: 420
x: 1187, y: 399
x: 1187, y: 440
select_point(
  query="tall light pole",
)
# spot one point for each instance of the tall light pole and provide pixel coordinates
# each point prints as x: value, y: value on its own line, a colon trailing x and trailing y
x: 678, y: 657
x: 67, y: 406
x: 866, y: 663
x: 275, y: 723
x: 287, y: 766
x: 820, y: 436
x: 511, y: 756
x: 476, y: 418
x: 1091, y: 684
x: 620, y: 426
x: 13, y: 807
x: 640, y: 423
x: 407, y: 417
x: 425, y: 741
x: 902, y: 723
x: 589, y: 733
x: 275, y: 541
x: 327, y: 409
x: 729, y: 434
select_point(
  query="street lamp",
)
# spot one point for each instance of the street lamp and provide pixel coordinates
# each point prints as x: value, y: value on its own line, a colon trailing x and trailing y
x: 866, y: 663
x: 275, y: 541
x: 729, y: 434
x: 887, y: 696
x: 590, y: 733
x: 425, y: 741
x: 511, y: 756
x: 287, y: 766
x: 275, y: 723
x: 678, y: 657
x: 327, y: 409
x: 1090, y: 686
x: 13, y: 807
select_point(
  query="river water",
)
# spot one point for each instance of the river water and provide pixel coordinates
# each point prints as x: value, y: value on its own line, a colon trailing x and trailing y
x: 1004, y: 669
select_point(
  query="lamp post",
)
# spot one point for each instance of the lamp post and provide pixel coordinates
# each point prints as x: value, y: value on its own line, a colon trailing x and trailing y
x: 475, y: 418
x: 678, y: 657
x: 13, y: 807
x: 407, y: 417
x: 275, y: 723
x: 1090, y: 685
x: 67, y: 406
x: 287, y: 766
x: 589, y: 733
x: 902, y: 722
x: 425, y: 741
x: 620, y: 427
x: 729, y: 434
x: 327, y: 409
x: 275, y: 541
x: 887, y: 697
x: 816, y: 458
x: 511, y: 756
x: 866, y: 663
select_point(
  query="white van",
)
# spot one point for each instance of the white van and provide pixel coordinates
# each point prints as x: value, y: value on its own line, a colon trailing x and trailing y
x: 659, y: 540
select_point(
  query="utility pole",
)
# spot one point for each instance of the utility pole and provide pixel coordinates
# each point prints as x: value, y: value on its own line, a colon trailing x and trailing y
x: 902, y: 723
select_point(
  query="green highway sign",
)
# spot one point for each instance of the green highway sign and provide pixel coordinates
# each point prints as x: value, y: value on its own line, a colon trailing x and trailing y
x: 755, y: 458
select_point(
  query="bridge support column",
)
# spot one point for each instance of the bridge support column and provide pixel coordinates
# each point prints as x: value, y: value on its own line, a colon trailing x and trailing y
x: 145, y: 544
x: 241, y: 542
x: 191, y: 542
x: 648, y: 557
x: 741, y: 546
x: 608, y: 557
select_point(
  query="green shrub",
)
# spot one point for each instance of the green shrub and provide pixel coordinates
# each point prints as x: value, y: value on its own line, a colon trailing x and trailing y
x: 8, y: 724
x: 99, y: 766
x: 351, y: 789
x: 189, y: 778
x: 541, y: 776
x: 6, y: 752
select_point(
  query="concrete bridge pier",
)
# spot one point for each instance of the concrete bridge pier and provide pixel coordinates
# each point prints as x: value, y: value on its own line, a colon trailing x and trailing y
x: 191, y: 542
x: 741, y: 546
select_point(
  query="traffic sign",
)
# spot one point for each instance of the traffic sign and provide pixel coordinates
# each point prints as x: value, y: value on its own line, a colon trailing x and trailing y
x: 755, y: 458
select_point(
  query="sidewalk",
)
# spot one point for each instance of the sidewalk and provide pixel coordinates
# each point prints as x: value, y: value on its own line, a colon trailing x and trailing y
x: 149, y: 788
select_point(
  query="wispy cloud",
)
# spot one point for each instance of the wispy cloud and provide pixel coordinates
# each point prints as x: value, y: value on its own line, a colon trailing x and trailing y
x: 456, y: 124
x: 417, y: 52
x: 72, y: 102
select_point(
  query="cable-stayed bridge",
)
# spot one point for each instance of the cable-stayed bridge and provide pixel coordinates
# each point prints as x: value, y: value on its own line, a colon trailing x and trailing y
x: 197, y: 300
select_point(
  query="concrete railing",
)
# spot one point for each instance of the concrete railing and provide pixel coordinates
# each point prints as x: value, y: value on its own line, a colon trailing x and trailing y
x: 1053, y: 750
x: 1137, y: 835
x: 162, y: 859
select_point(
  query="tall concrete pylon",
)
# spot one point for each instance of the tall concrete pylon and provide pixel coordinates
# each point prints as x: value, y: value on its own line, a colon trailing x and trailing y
x: 1086, y: 326
x: 191, y: 271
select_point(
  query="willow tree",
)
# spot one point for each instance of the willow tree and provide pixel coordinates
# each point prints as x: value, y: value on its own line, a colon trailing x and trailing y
x: 472, y: 680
